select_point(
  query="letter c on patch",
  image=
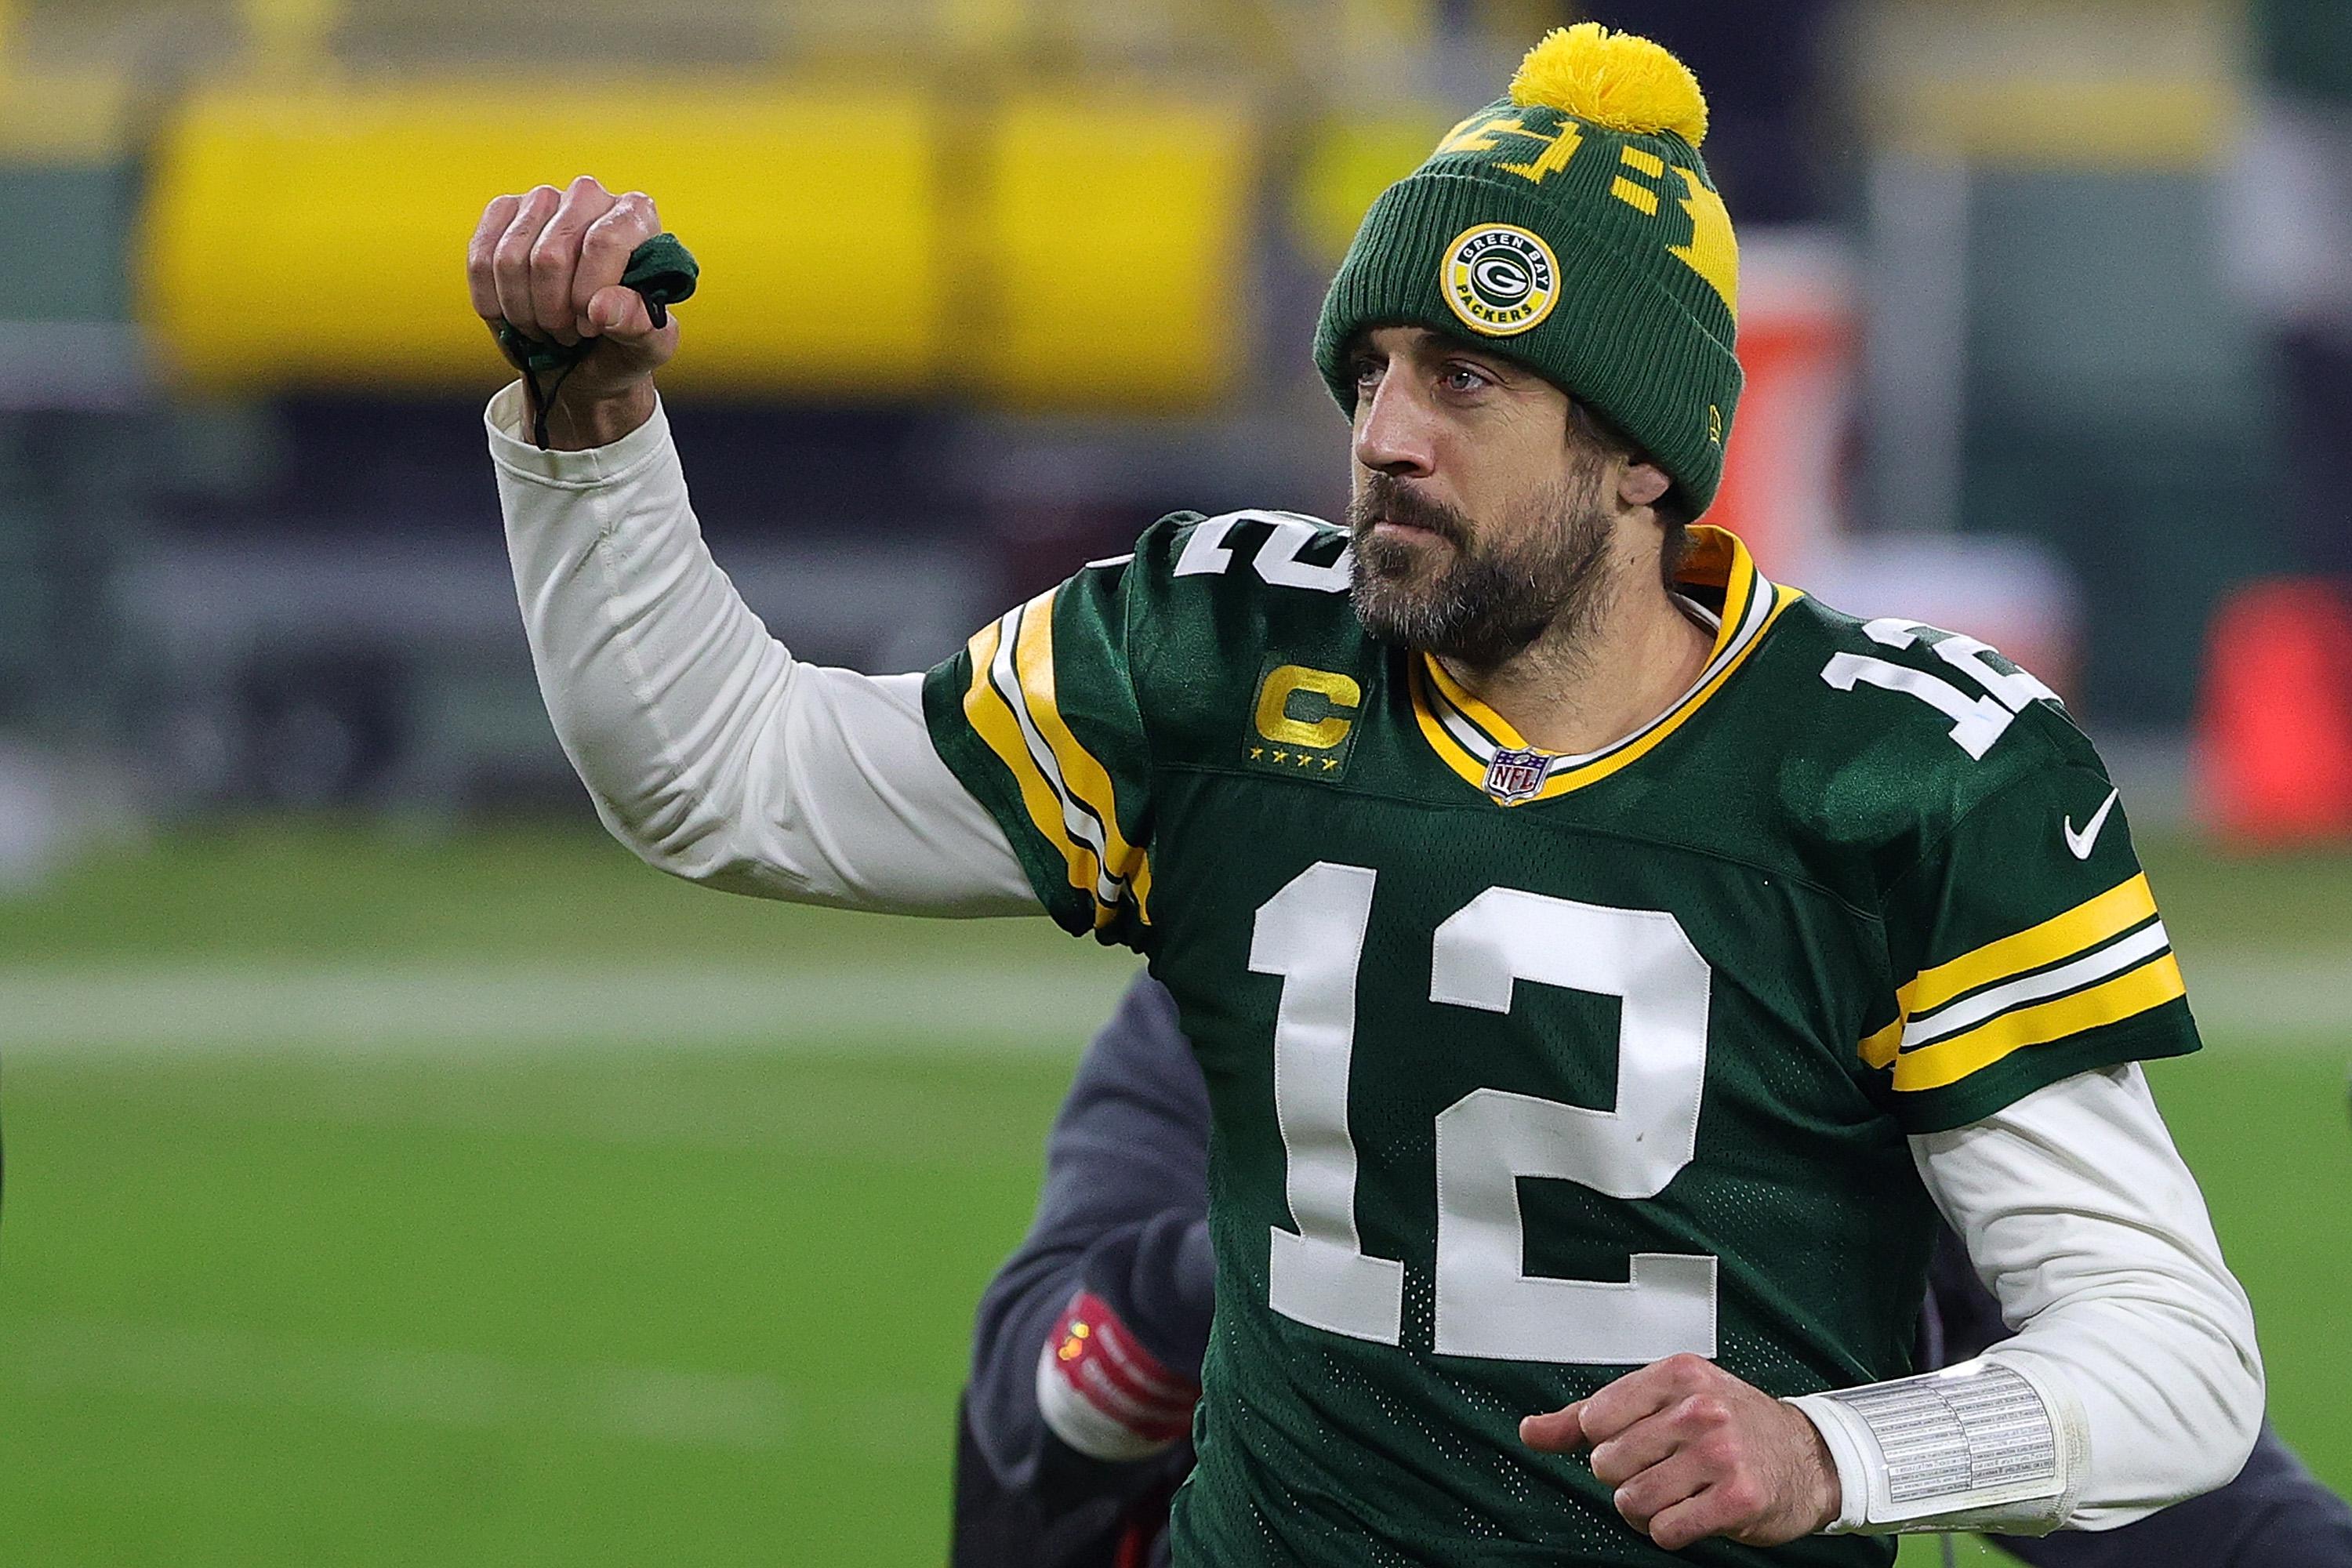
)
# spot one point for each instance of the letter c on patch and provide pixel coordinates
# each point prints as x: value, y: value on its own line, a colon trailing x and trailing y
x: 1327, y: 693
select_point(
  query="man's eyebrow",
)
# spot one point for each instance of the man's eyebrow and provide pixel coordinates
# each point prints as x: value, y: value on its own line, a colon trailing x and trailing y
x: 1503, y: 369
x: 1429, y: 341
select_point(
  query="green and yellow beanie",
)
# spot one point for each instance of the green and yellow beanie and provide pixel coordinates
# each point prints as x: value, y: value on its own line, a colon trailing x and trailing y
x: 1572, y: 226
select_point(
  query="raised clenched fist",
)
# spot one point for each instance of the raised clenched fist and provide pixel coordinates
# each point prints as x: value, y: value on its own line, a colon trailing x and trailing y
x: 549, y: 262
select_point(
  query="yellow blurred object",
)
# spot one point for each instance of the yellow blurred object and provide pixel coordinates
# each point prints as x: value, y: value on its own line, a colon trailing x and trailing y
x: 2110, y: 85
x: 1349, y: 163
x: 1089, y: 251
x: 65, y: 117
x: 1117, y: 249
x: 981, y: 27
x: 318, y: 236
x: 290, y: 35
x: 1386, y: 26
x: 1614, y: 79
x: 2095, y: 123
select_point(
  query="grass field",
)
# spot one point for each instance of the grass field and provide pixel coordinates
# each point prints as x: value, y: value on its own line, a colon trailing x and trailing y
x: 489, y: 1199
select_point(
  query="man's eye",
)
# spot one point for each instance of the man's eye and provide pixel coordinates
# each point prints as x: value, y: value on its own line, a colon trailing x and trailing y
x: 1367, y: 371
x: 1464, y: 378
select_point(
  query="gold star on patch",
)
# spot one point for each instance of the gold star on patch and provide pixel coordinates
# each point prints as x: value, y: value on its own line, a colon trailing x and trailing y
x: 1282, y: 756
x: 1304, y: 760
x: 1330, y: 763
x: 1256, y: 752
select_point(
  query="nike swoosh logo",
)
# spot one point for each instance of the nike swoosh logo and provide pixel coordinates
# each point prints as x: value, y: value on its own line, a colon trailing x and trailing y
x: 2080, y: 843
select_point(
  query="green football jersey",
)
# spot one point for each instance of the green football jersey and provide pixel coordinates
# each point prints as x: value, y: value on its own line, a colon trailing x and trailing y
x: 1527, y: 1069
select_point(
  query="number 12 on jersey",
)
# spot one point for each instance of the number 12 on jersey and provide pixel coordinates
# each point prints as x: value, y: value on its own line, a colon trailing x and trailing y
x: 1311, y: 933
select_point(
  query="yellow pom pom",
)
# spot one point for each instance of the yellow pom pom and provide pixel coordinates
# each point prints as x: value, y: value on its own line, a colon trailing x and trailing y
x: 1614, y: 79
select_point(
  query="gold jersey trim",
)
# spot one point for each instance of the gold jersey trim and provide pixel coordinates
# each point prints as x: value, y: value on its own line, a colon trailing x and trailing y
x: 1466, y: 735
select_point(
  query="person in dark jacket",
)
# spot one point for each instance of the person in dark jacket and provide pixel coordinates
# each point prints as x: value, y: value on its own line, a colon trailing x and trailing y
x: 1124, y: 1220
x: 1087, y: 1346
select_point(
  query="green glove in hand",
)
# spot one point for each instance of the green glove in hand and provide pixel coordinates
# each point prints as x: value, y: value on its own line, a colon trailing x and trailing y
x: 661, y: 270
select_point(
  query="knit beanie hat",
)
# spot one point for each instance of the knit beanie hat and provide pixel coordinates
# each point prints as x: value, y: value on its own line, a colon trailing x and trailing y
x: 1572, y: 226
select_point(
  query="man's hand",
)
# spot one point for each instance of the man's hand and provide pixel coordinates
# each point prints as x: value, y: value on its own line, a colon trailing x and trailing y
x: 549, y: 262
x: 1695, y: 1452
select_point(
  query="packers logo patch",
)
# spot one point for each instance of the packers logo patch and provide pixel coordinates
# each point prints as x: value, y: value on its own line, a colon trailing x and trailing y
x: 1499, y: 279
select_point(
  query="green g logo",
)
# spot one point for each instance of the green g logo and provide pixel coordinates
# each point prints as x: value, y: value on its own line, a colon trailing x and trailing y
x: 1499, y: 279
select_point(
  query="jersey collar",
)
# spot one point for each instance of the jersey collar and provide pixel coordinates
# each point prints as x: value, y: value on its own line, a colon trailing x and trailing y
x: 1480, y: 745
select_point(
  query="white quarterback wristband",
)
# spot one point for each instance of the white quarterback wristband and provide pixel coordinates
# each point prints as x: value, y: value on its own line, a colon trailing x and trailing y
x: 1982, y: 1445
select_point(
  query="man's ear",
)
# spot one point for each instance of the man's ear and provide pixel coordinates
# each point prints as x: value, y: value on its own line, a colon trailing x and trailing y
x: 1642, y: 484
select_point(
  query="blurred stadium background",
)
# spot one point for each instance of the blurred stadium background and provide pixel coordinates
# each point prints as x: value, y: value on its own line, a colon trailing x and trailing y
x: 399, y: 1174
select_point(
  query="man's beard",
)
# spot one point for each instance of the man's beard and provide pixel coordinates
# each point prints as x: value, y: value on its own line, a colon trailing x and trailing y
x: 1482, y: 604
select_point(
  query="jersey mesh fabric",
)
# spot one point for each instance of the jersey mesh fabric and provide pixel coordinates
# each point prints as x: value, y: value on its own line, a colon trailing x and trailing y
x: 1896, y: 935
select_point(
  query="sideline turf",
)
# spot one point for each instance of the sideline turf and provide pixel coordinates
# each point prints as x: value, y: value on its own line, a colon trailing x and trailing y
x: 671, y: 1306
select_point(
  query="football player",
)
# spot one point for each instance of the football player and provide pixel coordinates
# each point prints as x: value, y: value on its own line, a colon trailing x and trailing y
x: 1086, y: 1353
x: 1604, y: 962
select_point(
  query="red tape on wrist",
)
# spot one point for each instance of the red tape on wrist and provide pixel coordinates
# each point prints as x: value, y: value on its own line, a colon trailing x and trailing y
x: 1114, y: 1399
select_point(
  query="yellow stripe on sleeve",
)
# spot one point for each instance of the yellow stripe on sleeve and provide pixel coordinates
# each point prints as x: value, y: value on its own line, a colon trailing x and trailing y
x: 2086, y: 925
x: 991, y: 720
x: 1882, y: 1047
x: 2152, y: 984
x: 1086, y: 780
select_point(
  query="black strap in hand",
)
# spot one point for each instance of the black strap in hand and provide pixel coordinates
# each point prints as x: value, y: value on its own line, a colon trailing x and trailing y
x: 661, y: 270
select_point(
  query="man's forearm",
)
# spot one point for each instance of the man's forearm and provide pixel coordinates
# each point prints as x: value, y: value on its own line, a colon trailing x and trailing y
x: 2133, y: 1382
x: 706, y: 746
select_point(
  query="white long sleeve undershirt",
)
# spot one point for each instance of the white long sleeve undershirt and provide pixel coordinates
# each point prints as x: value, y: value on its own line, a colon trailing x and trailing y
x: 716, y: 756
x: 2079, y: 1218
x: 707, y: 748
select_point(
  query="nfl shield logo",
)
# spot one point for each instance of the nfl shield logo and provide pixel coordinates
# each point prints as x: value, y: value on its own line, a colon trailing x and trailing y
x: 1515, y: 776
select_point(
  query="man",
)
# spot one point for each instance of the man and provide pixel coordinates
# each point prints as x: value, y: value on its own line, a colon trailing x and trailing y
x: 1602, y: 962
x: 1093, y: 1332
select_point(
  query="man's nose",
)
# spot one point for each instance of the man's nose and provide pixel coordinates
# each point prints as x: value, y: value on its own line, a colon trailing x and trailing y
x: 1394, y: 432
